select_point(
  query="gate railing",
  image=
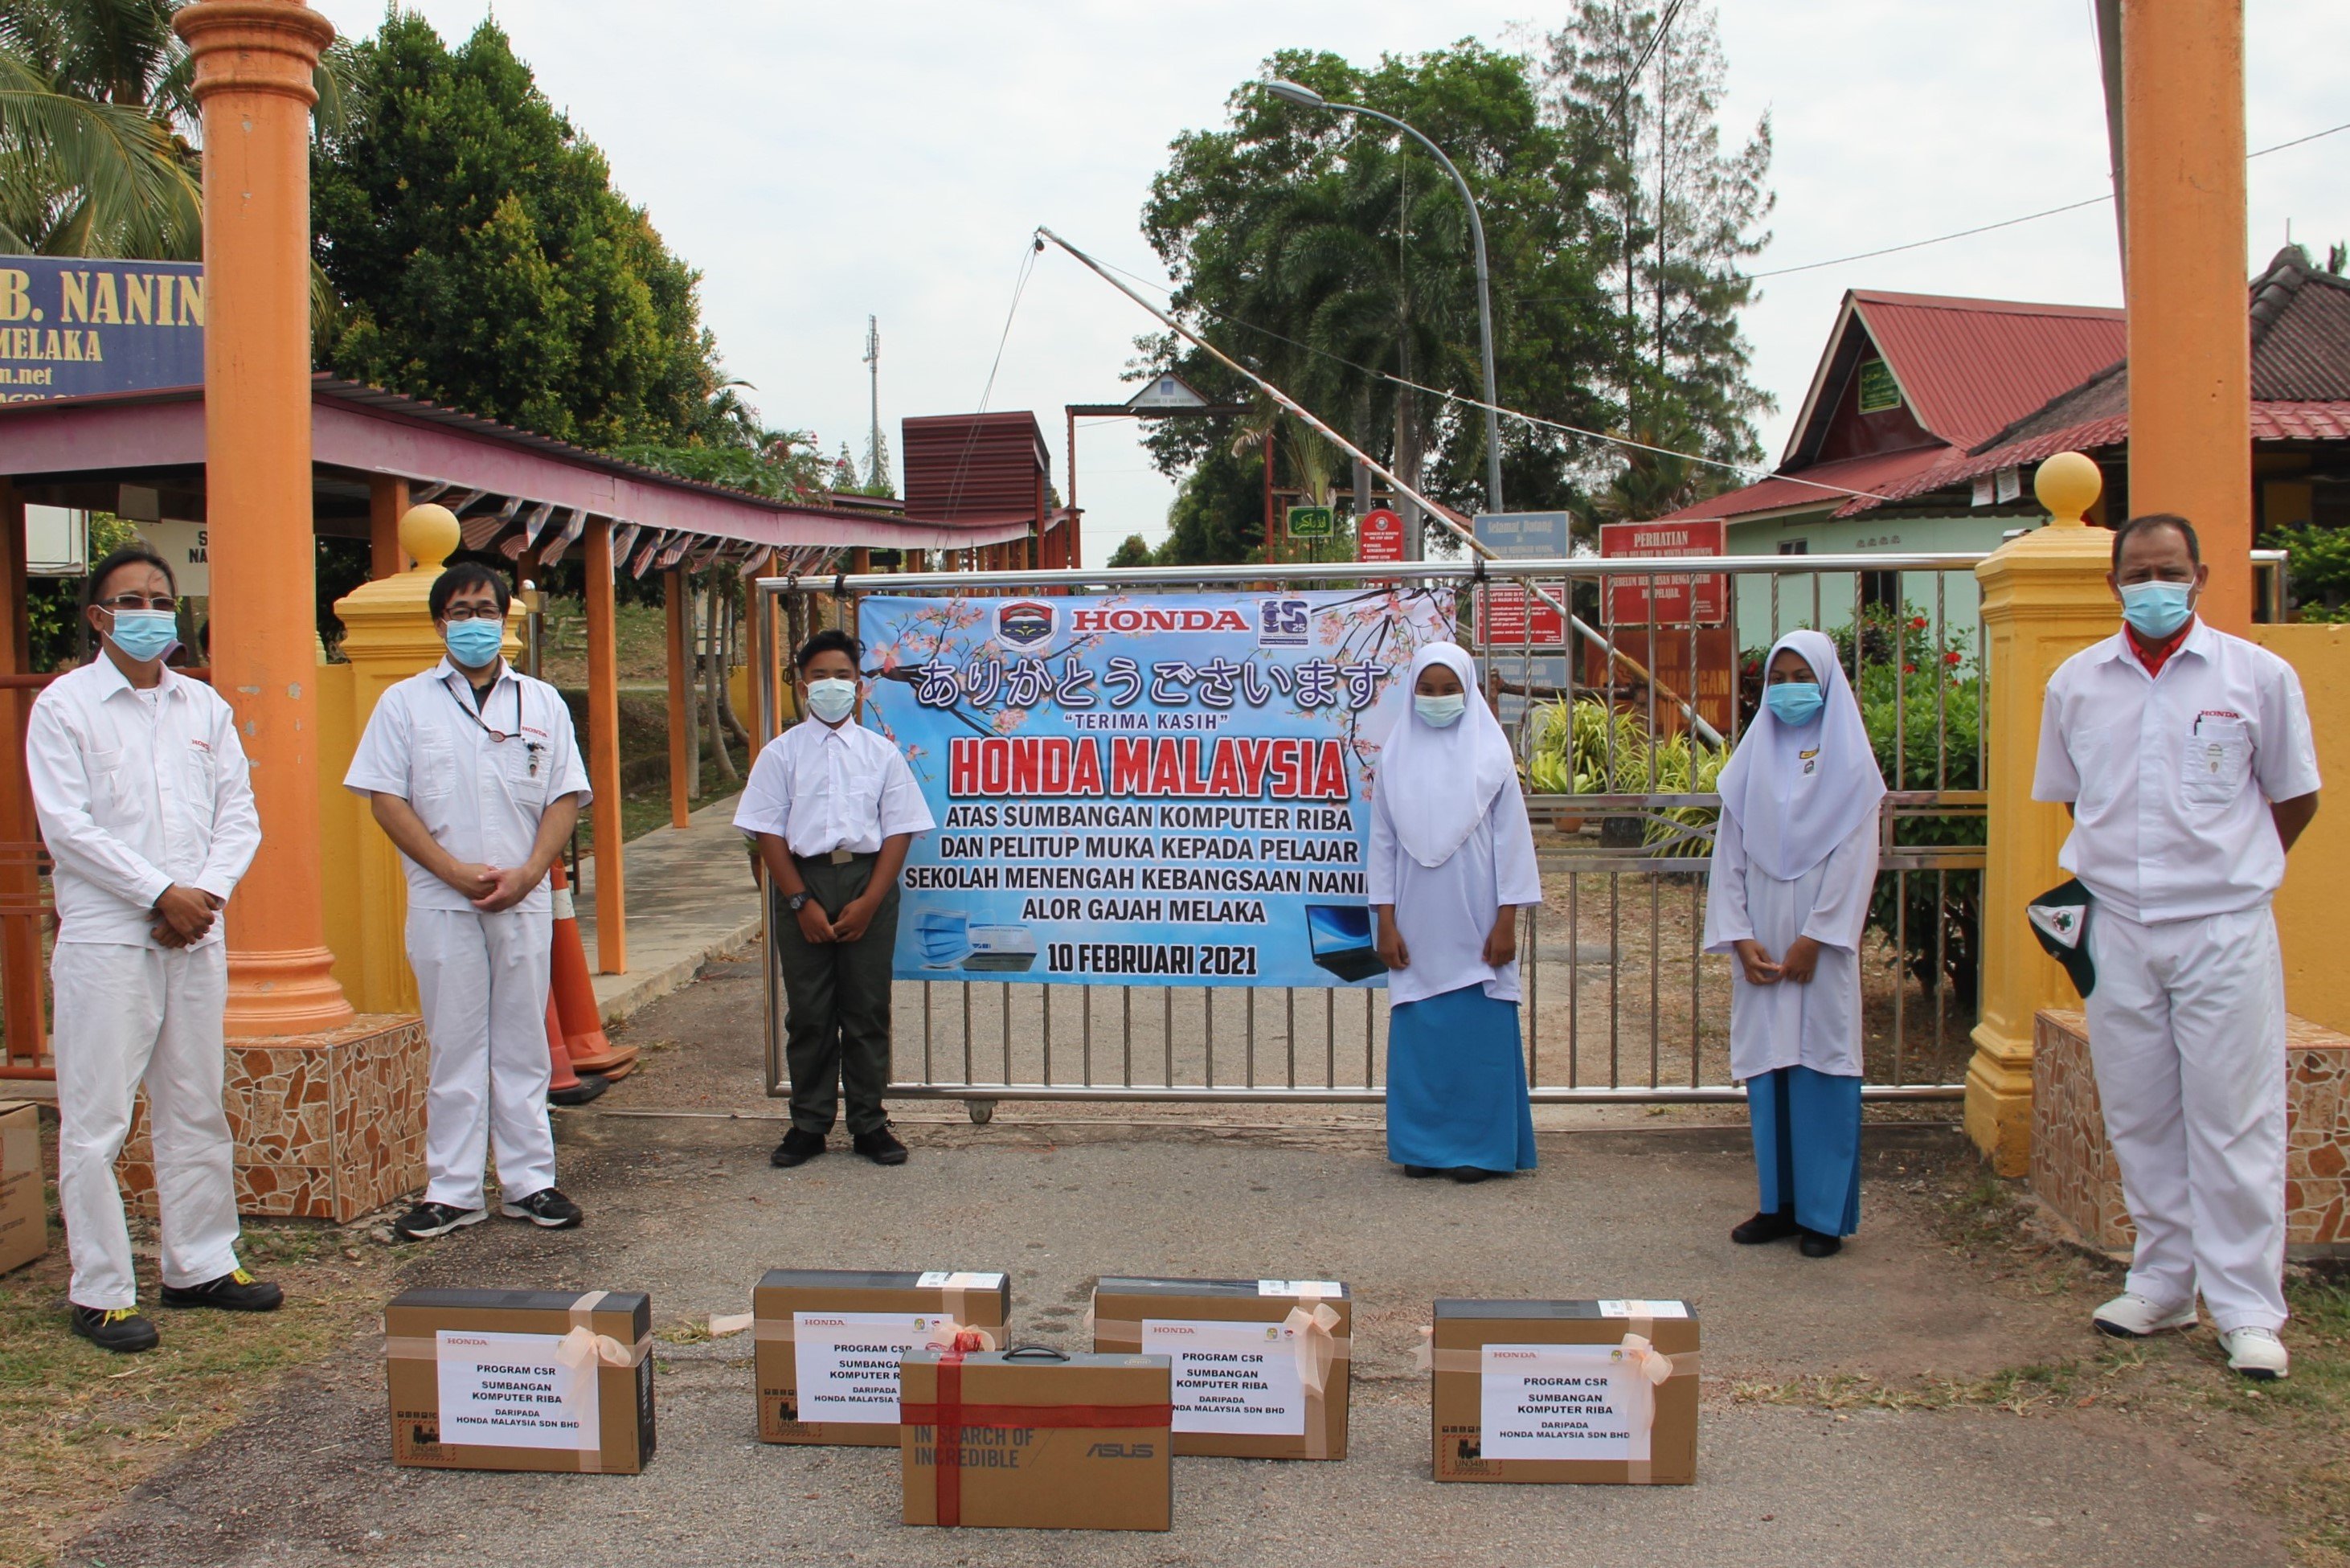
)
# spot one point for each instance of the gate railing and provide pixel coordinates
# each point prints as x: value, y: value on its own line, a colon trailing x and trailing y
x: 1620, y: 1002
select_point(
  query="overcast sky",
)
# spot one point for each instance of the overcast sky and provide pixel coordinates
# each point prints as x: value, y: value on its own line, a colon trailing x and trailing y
x: 822, y: 163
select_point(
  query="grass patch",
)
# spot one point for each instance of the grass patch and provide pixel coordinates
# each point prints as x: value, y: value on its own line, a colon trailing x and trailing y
x: 81, y: 1427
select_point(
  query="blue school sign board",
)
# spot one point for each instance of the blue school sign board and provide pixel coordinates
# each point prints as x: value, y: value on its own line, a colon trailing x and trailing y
x: 1142, y: 789
x: 70, y: 326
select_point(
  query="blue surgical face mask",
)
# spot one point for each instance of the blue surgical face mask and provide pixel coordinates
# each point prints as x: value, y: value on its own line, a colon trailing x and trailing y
x: 831, y: 698
x: 474, y: 643
x: 1441, y: 711
x: 2158, y: 609
x: 1795, y: 702
x: 144, y: 634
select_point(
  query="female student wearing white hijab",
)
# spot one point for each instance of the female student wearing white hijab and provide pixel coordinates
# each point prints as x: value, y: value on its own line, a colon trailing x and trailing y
x: 1794, y: 860
x: 1451, y: 861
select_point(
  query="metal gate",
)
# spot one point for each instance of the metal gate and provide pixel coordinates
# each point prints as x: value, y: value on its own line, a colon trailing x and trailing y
x: 1652, y: 664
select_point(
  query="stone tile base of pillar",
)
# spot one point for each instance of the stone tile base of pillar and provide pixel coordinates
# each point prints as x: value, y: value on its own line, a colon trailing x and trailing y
x: 327, y: 1126
x: 2073, y: 1169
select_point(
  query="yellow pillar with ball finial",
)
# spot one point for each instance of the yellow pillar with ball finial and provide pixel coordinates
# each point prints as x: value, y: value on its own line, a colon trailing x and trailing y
x: 2044, y: 598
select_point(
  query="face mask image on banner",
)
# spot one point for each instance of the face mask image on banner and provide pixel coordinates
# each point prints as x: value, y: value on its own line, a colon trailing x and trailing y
x: 944, y: 938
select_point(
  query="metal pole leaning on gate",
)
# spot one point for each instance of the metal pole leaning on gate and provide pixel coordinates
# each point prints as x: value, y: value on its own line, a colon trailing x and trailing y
x: 1319, y: 426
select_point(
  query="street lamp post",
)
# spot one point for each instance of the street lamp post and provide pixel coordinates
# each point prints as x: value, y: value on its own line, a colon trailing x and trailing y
x: 1298, y: 93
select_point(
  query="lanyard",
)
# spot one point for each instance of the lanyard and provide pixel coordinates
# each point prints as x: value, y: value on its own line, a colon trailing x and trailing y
x: 498, y: 736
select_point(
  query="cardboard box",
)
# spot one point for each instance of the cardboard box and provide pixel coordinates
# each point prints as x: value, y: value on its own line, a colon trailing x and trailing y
x: 1259, y: 1365
x: 1035, y: 1438
x: 24, y: 1217
x: 828, y: 1341
x: 1562, y: 1391
x: 521, y: 1380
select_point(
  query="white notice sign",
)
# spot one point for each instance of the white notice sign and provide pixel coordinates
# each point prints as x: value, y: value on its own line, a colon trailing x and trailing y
x: 847, y: 1361
x: 1643, y: 1309
x: 1563, y: 1402
x: 944, y: 1280
x: 1231, y: 1376
x: 508, y: 1391
x: 1329, y: 1290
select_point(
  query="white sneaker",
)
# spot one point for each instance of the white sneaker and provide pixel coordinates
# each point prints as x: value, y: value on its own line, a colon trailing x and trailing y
x: 2255, y: 1351
x: 2131, y: 1316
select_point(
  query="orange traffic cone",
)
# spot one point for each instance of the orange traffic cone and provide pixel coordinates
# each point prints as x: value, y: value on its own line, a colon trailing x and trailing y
x: 573, y: 995
x: 567, y: 1086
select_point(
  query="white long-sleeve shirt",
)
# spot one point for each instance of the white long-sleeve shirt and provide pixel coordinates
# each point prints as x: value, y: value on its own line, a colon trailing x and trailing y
x: 135, y: 791
x: 1811, y: 1024
x: 1443, y: 912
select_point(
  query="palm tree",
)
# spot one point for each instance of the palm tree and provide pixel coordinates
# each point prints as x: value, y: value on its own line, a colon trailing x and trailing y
x: 98, y: 128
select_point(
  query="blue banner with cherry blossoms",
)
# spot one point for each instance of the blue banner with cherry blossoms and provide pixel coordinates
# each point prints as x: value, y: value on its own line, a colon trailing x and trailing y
x: 1142, y: 789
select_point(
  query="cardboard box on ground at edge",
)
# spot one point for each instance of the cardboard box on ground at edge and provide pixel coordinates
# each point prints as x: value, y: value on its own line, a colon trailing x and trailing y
x: 24, y: 1214
x: 1552, y: 1391
x: 827, y: 1342
x: 521, y: 1380
x: 1260, y: 1367
x: 1047, y: 1440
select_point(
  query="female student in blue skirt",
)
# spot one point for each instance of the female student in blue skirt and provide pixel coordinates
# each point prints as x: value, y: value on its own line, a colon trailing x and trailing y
x: 1794, y: 860
x: 1451, y: 861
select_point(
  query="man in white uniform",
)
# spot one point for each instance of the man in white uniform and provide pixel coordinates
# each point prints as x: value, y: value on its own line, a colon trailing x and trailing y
x: 2186, y: 759
x: 473, y: 770
x: 147, y: 810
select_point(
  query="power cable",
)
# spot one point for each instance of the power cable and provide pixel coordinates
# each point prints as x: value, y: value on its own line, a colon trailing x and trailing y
x: 2011, y: 223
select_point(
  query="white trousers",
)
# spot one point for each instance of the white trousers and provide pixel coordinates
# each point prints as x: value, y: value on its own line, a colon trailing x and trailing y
x: 2187, y: 1034
x: 482, y: 982
x: 128, y: 1016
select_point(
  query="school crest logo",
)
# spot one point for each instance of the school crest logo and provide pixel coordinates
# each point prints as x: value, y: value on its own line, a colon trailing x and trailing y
x: 1024, y: 623
x: 1283, y: 623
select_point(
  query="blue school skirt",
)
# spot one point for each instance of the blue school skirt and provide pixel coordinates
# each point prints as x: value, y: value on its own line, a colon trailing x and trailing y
x: 1807, y: 1146
x: 1457, y: 1084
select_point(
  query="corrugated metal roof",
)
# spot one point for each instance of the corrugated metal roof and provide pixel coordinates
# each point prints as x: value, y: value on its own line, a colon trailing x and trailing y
x: 1971, y: 366
x: 1822, y: 484
x: 973, y: 468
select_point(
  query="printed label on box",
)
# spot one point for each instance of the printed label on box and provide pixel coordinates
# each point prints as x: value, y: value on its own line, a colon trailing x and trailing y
x: 1234, y: 1378
x: 1643, y: 1309
x: 846, y: 1362
x: 509, y: 1391
x: 1330, y: 1289
x: 1563, y: 1402
x: 941, y: 1280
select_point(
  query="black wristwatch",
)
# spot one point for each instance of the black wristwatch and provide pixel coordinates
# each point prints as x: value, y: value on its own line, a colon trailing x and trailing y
x: 794, y: 902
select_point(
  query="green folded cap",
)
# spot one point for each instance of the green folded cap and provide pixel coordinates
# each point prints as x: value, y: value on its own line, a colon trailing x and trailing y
x: 2060, y: 919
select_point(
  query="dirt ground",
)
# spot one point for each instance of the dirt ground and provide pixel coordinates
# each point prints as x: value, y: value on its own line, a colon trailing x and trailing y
x: 1931, y: 1396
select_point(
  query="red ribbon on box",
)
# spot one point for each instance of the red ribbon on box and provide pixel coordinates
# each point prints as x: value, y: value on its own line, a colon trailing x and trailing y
x: 949, y: 1415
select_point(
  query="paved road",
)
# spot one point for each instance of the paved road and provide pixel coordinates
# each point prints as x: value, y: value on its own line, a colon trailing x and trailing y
x: 688, y: 1210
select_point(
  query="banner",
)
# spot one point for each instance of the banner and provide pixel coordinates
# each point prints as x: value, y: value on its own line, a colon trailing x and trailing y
x: 70, y: 325
x: 1142, y: 789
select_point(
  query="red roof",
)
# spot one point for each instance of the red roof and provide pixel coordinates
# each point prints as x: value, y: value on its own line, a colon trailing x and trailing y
x: 1970, y: 367
x: 1819, y: 484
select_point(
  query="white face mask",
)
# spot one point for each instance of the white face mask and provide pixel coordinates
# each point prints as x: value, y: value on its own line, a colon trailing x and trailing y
x: 1441, y: 711
x: 831, y: 698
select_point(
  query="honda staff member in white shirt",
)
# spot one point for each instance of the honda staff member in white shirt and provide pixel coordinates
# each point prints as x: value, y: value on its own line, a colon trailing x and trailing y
x: 148, y: 812
x: 2186, y: 759
x: 474, y: 774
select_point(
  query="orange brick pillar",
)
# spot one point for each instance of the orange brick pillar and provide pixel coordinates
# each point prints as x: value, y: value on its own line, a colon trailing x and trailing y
x: 2189, y: 346
x: 253, y: 64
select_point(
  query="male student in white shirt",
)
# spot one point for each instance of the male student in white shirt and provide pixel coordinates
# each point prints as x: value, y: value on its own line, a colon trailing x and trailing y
x: 834, y: 809
x: 474, y: 771
x: 2186, y: 759
x: 147, y: 809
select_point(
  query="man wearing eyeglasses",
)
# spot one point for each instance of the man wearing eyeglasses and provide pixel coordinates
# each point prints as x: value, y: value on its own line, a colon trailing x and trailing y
x: 473, y: 772
x: 146, y: 811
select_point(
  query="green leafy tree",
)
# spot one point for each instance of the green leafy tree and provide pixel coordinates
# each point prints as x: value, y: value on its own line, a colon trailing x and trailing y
x: 1336, y: 257
x: 1133, y: 552
x: 1675, y: 219
x: 485, y: 261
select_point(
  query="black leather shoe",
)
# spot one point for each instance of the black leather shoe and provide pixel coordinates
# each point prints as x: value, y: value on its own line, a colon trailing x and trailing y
x: 1766, y: 1228
x: 119, y: 1329
x: 880, y: 1146
x: 1816, y: 1245
x: 797, y: 1148
x: 1470, y: 1173
x: 235, y: 1291
x: 1421, y: 1172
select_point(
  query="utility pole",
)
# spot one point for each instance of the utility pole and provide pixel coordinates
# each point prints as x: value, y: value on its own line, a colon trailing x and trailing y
x: 877, y: 450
